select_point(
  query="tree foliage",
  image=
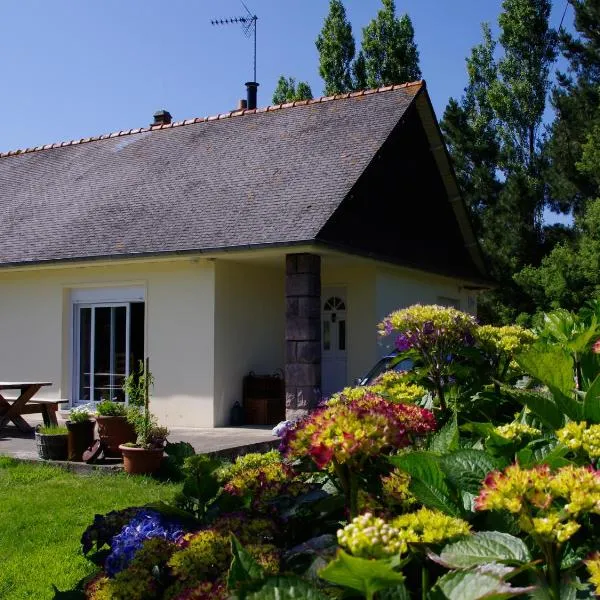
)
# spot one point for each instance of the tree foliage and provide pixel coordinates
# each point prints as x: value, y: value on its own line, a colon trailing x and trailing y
x: 576, y: 100
x: 389, y: 48
x: 570, y: 274
x: 336, y: 50
x: 496, y: 140
x: 288, y: 91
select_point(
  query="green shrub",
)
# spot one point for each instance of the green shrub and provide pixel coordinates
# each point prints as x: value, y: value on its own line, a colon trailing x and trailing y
x: 108, y: 408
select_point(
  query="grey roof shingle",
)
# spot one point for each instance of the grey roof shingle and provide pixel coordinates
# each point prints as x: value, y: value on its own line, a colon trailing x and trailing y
x: 272, y: 177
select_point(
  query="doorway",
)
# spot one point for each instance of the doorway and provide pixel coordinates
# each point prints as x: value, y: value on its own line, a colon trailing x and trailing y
x: 334, y: 341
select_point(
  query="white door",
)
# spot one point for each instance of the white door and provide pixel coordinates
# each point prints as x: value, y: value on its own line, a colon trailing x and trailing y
x: 333, y: 341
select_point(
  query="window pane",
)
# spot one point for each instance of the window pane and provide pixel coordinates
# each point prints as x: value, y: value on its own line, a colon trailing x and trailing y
x: 102, y: 353
x: 342, y: 336
x: 85, y: 329
x: 326, y: 335
x: 120, y: 350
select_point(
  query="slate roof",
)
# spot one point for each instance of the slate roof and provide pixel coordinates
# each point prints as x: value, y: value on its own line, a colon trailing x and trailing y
x: 243, y: 179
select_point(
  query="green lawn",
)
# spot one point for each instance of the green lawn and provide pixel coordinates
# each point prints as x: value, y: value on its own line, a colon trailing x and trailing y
x: 43, y: 512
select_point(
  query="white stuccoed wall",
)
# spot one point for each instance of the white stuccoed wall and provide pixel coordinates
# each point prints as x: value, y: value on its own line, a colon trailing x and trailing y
x: 36, y: 330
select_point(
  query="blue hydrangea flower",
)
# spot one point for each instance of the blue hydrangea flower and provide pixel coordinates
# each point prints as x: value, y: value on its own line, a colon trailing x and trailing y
x: 145, y: 525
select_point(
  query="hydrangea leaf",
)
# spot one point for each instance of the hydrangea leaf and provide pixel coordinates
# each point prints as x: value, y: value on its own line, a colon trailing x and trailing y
x: 398, y: 592
x: 466, y: 469
x: 285, y: 588
x: 543, y: 451
x: 544, y: 407
x: 591, y: 403
x: 243, y: 567
x: 447, y: 438
x: 554, y: 368
x: 476, y: 584
x: 428, y: 482
x: 363, y: 575
x: 485, y: 547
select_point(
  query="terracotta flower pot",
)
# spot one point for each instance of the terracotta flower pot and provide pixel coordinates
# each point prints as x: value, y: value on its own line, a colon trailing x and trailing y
x: 141, y: 461
x: 113, y: 432
x: 81, y: 437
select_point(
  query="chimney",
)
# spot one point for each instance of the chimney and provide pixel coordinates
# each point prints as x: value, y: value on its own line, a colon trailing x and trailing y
x: 252, y: 88
x: 161, y: 117
x: 242, y: 105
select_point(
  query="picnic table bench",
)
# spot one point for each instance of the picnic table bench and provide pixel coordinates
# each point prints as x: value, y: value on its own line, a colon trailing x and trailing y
x: 12, y: 408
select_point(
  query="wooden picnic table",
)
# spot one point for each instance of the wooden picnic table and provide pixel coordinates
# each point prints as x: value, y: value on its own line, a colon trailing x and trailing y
x: 25, y: 404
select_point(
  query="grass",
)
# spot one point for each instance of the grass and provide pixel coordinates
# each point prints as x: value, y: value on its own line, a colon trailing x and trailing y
x: 43, y: 512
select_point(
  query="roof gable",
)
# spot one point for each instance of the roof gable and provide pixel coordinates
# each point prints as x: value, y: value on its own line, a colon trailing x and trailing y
x: 272, y: 176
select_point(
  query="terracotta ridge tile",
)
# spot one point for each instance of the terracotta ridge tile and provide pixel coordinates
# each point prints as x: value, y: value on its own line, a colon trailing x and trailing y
x: 217, y: 117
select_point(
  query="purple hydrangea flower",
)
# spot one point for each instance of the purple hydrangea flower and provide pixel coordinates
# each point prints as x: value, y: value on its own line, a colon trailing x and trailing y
x: 145, y: 525
x: 403, y: 343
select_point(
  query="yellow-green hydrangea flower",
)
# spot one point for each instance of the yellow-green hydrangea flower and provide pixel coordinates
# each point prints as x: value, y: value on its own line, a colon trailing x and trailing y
x: 578, y: 436
x: 252, y: 460
x: 546, y: 504
x: 393, y: 386
x: 427, y: 526
x: 348, y: 394
x: 396, y: 489
x: 571, y: 435
x: 368, y: 536
x: 516, y: 431
x: 593, y: 566
x: 206, y: 553
x: 506, y: 340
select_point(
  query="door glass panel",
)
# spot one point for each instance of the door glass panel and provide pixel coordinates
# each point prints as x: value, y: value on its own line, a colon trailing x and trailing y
x: 326, y: 335
x: 136, y: 334
x: 110, y: 345
x: 110, y: 341
x: 342, y: 335
x: 119, y: 361
x: 102, y: 353
x: 85, y: 337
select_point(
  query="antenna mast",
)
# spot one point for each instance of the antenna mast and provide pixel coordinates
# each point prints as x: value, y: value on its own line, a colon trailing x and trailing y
x: 248, y: 24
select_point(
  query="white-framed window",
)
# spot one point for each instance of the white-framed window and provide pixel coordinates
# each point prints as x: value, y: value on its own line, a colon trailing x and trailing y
x: 108, y: 341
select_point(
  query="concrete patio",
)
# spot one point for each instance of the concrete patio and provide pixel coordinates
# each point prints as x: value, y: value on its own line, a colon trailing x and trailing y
x: 224, y: 441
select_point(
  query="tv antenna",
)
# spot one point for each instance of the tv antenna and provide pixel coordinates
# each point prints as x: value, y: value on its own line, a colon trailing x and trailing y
x: 248, y: 23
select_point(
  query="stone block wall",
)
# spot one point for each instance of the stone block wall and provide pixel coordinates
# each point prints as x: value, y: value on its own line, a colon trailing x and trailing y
x: 302, y: 333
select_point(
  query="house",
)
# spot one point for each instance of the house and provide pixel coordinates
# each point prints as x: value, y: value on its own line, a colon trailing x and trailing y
x: 256, y: 240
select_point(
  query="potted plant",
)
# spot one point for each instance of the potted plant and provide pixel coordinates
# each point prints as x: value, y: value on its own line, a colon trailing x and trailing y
x: 81, y: 431
x: 145, y: 455
x: 113, y: 427
x: 52, y: 442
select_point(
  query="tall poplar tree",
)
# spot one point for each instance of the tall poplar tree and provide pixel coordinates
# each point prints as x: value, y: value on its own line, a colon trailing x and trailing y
x: 336, y: 50
x: 569, y: 275
x: 495, y: 136
x: 389, y: 49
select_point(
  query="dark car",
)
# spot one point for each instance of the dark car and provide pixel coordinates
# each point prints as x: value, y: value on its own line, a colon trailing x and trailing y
x: 392, y: 362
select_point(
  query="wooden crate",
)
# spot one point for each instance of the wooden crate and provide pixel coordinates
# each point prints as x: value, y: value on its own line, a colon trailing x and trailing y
x: 263, y: 399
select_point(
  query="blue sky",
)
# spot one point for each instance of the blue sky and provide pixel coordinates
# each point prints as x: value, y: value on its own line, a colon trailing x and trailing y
x: 75, y: 68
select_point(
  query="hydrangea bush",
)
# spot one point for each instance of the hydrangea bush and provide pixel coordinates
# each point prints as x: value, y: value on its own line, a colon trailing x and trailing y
x: 373, y: 496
